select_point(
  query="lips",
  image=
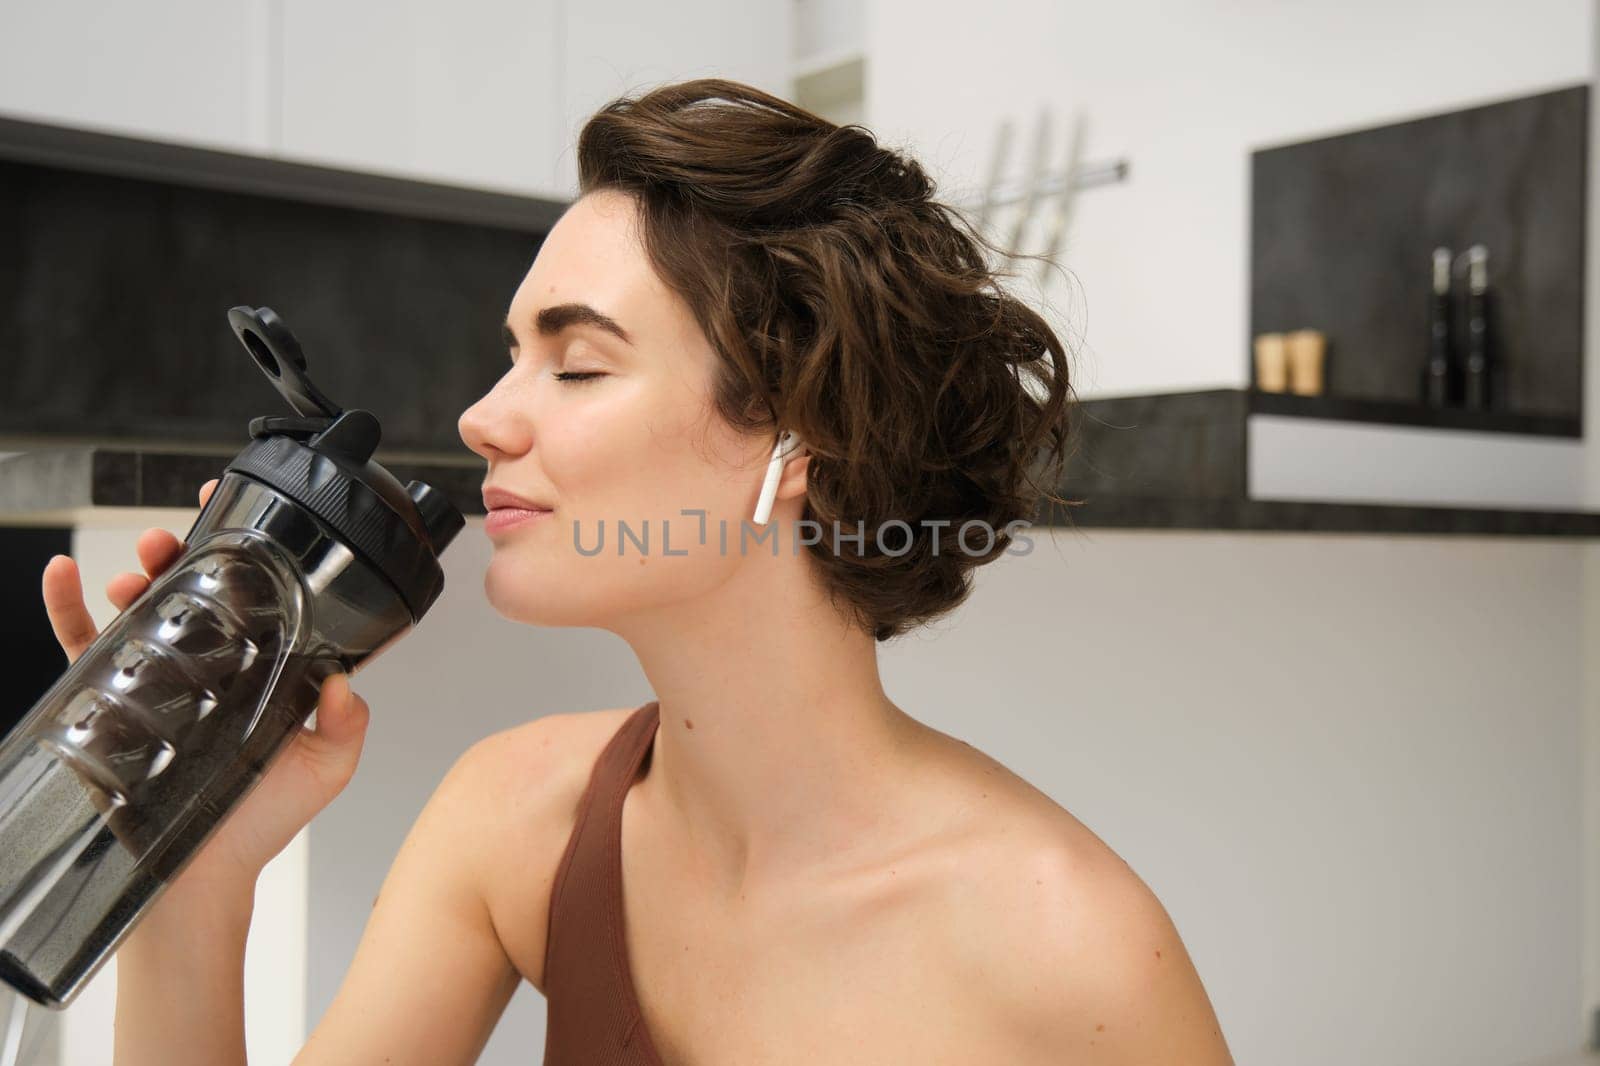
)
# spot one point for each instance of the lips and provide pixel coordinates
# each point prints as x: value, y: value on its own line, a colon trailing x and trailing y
x: 496, y: 498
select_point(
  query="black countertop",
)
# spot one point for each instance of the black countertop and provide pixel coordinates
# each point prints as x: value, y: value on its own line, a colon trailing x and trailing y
x: 61, y: 485
x: 57, y: 484
x: 1180, y: 461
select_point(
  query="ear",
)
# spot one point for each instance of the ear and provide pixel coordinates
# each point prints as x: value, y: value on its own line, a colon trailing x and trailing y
x: 786, y: 476
x: 793, y: 482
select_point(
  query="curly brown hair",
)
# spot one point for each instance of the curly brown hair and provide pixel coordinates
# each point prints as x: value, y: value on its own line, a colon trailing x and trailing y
x: 850, y: 306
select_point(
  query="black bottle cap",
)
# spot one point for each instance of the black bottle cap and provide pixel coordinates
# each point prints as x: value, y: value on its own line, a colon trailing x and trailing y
x: 322, y: 459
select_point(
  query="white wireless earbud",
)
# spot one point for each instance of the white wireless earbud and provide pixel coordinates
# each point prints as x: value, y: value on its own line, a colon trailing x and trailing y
x: 787, y: 444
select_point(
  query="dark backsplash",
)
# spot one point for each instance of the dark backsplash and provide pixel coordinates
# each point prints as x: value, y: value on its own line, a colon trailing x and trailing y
x: 1343, y: 231
x: 114, y: 290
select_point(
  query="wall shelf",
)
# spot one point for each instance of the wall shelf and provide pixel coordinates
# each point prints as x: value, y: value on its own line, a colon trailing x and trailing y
x: 1393, y: 412
x: 1343, y: 231
x: 1184, y: 461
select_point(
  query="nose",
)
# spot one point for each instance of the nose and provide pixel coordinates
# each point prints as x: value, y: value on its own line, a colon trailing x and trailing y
x: 492, y: 427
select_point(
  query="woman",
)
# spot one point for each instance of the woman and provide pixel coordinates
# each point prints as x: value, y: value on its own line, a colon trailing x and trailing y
x: 812, y: 875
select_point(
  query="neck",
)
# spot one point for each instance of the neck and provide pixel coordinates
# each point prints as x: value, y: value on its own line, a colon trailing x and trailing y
x: 777, y: 746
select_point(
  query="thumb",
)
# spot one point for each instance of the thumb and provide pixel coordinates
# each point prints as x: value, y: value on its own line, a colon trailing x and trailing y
x: 342, y: 718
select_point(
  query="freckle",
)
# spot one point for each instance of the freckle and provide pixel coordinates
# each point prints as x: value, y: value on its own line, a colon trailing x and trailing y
x: 1158, y: 954
x: 688, y: 723
x: 1100, y: 1028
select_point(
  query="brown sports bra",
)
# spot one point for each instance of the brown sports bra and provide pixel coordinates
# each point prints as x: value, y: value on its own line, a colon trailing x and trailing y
x: 592, y: 1012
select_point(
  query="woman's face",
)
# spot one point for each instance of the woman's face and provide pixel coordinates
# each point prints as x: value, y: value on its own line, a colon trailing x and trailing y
x: 634, y: 445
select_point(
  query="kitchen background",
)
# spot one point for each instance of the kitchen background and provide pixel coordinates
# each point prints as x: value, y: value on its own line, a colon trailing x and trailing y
x: 1320, y: 666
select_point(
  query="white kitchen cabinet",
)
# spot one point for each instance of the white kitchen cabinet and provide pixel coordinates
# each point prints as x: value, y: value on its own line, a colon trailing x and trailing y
x: 484, y: 93
x: 611, y: 47
x: 465, y: 93
x: 190, y: 71
x: 492, y: 93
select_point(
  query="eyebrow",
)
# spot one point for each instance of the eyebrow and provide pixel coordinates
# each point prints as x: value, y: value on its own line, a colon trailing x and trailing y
x: 552, y: 320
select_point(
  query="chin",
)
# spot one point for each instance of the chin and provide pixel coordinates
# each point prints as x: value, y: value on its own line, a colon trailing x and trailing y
x: 533, y: 595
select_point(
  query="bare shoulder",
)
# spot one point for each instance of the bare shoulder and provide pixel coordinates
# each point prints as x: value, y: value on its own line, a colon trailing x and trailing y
x: 550, y: 753
x: 529, y: 780
x: 1077, y: 958
x: 465, y: 901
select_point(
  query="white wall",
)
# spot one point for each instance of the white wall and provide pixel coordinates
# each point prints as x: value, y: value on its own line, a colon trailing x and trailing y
x: 1343, y: 762
x: 1185, y: 91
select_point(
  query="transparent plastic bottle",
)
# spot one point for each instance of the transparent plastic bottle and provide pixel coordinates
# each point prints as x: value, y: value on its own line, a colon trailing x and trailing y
x: 308, y: 559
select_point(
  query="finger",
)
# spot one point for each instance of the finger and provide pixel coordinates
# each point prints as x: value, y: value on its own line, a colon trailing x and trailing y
x: 62, y: 587
x: 333, y: 749
x: 341, y: 714
x: 207, y: 489
x: 157, y: 548
x: 126, y: 587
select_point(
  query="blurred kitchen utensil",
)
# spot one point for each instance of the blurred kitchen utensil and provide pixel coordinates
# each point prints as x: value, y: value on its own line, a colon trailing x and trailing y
x: 1037, y: 185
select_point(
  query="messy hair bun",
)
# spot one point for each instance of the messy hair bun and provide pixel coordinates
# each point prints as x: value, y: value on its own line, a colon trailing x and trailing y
x: 849, y: 305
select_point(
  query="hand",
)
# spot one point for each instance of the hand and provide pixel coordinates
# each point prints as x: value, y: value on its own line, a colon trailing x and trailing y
x: 298, y: 784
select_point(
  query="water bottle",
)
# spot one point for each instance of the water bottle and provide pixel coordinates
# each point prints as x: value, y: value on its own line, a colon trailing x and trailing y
x: 309, y: 559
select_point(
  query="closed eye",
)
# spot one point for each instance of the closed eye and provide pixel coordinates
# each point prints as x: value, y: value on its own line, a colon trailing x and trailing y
x: 578, y: 376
